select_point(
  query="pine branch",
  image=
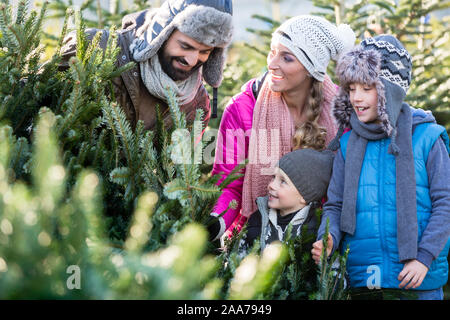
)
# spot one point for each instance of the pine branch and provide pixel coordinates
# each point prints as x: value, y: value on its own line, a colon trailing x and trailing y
x: 38, y: 24
x: 22, y: 7
x: 108, y: 119
x: 81, y: 37
x: 233, y: 175
x: 124, y: 132
x: 179, y: 118
x: 92, y: 50
x: 5, y: 26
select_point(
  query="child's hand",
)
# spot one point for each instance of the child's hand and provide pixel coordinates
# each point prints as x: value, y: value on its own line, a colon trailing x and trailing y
x: 413, y: 273
x: 318, y: 246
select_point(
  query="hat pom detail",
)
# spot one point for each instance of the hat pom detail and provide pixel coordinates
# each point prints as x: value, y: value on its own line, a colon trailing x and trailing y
x: 347, y: 37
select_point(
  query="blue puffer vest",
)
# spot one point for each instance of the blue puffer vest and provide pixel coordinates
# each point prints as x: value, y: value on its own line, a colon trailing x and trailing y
x: 373, y: 247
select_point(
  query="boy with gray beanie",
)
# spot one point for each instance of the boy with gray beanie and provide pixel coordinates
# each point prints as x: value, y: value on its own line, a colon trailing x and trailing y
x: 389, y: 195
x: 297, y: 187
x: 176, y: 45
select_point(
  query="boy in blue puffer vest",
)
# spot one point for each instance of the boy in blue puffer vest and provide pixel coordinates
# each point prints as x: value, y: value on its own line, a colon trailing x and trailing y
x: 389, y: 195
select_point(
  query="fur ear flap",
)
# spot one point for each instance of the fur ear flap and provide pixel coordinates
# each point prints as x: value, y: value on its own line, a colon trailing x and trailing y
x: 342, y: 108
x: 382, y: 112
x: 212, y: 68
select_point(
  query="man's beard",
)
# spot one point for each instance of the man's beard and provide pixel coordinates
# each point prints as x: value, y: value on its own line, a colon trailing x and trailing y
x: 174, y: 73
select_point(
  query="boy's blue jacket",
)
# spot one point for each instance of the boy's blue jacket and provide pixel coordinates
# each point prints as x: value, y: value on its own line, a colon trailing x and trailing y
x: 373, y: 248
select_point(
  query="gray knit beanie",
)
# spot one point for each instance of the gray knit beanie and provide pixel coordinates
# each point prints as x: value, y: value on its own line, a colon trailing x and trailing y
x: 314, y: 41
x: 309, y: 170
x: 206, y: 21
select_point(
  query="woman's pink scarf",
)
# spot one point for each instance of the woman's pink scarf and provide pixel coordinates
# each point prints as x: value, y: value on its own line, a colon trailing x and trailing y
x: 271, y: 138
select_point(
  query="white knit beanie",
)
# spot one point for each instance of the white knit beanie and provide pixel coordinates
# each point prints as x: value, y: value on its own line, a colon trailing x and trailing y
x: 314, y: 41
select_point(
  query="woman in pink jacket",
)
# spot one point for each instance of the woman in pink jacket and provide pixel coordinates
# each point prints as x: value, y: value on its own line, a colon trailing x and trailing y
x: 293, y: 97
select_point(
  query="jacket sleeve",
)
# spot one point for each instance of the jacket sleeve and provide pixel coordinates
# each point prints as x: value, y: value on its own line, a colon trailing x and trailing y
x: 437, y: 232
x: 231, y: 150
x: 333, y: 207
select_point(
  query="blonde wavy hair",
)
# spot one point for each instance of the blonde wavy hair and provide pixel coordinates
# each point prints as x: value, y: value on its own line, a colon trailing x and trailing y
x: 309, y: 134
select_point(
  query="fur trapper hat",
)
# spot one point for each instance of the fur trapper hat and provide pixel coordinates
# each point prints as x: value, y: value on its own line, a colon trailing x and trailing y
x: 381, y: 61
x: 206, y: 21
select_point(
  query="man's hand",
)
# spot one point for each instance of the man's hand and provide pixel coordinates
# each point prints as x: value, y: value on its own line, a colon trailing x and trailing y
x: 318, y: 247
x: 412, y: 274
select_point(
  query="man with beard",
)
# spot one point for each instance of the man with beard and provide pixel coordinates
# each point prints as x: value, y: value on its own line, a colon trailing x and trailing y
x: 176, y: 46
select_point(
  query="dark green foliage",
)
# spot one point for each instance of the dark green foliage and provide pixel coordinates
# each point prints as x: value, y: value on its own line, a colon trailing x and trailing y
x: 382, y: 294
x: 330, y: 277
x: 296, y: 277
x: 46, y: 231
x: 23, y: 85
x: 43, y: 235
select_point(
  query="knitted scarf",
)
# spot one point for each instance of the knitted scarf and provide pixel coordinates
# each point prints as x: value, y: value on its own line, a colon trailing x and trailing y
x: 157, y: 81
x: 271, y: 138
x: 405, y: 179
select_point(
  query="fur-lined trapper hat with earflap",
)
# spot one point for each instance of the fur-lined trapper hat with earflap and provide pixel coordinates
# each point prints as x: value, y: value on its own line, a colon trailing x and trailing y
x: 206, y: 21
x: 381, y: 61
